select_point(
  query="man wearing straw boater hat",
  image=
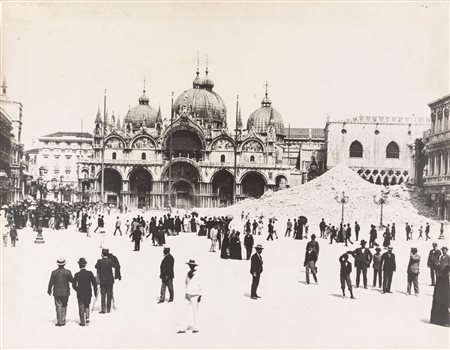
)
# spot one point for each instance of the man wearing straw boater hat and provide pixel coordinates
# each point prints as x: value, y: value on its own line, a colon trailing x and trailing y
x: 256, y: 268
x: 389, y: 267
x: 193, y: 295
x: 82, y: 282
x: 59, y: 282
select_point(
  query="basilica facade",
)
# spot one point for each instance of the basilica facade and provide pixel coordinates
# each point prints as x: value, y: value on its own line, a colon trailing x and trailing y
x: 195, y: 159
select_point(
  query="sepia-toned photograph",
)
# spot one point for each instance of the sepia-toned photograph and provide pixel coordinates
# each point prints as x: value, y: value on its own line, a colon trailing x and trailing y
x: 224, y: 174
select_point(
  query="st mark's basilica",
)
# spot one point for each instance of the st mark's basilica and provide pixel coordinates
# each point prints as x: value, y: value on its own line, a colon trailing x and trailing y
x: 195, y: 158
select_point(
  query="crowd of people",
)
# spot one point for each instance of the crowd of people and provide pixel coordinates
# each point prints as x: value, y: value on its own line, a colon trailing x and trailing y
x: 226, y: 239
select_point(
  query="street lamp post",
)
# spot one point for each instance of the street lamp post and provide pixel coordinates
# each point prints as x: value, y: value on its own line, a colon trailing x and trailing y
x: 343, y: 199
x: 381, y: 200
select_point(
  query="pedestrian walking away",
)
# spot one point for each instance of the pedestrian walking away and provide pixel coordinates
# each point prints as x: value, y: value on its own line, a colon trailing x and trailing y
x: 256, y: 269
x: 166, y: 275
x: 105, y: 267
x: 118, y: 224
x: 248, y: 244
x: 83, y: 283
x: 59, y: 283
x: 357, y: 229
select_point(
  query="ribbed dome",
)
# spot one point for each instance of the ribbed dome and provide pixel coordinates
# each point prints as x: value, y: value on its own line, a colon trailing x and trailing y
x: 143, y: 114
x: 202, y: 101
x: 261, y: 118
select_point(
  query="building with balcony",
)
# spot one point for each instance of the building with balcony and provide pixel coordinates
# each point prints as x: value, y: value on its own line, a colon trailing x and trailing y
x: 377, y: 148
x: 437, y: 149
x: 194, y: 159
x: 56, y: 159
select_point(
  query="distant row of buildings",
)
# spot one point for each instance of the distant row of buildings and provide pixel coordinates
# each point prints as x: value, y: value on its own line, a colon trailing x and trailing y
x: 193, y: 156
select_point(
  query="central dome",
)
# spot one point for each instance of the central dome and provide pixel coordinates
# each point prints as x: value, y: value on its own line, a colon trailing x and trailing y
x: 260, y: 118
x: 203, y: 101
x: 142, y: 114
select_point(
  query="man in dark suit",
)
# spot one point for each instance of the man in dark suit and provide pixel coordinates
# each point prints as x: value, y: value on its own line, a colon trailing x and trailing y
x: 433, y: 262
x: 248, y: 243
x: 389, y: 267
x: 82, y: 282
x: 136, y: 237
x: 104, y: 268
x: 363, y: 258
x: 166, y: 275
x: 59, y: 281
x: 310, y: 263
x: 256, y: 268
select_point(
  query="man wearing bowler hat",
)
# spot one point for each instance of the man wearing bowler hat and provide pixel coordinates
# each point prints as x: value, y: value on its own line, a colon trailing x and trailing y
x: 256, y: 268
x: 82, y: 282
x: 363, y: 258
x: 59, y: 282
x: 433, y: 262
x: 389, y: 267
x: 166, y: 275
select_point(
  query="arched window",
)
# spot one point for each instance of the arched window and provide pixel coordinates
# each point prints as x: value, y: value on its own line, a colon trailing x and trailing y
x: 222, y: 158
x: 143, y: 156
x: 392, y: 150
x: 114, y: 155
x: 356, y: 150
x: 252, y: 159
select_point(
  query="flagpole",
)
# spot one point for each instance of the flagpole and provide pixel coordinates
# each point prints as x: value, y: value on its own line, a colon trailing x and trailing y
x: 235, y: 151
x: 102, y: 193
x: 170, y: 154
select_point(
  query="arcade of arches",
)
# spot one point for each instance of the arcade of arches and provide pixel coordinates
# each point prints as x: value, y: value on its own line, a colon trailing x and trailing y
x: 185, y: 143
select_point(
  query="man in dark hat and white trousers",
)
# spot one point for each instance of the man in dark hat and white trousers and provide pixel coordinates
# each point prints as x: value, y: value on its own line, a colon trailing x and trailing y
x: 59, y: 282
x: 166, y: 275
x: 256, y: 268
x: 193, y: 295
x: 82, y: 282
x: 389, y: 267
x: 105, y: 275
x: 363, y: 258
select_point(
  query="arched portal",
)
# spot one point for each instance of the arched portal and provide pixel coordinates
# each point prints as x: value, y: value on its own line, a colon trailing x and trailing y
x: 184, y: 143
x: 222, y: 184
x: 113, y: 186
x: 183, y: 172
x: 141, y: 184
x: 253, y: 185
x: 184, y: 194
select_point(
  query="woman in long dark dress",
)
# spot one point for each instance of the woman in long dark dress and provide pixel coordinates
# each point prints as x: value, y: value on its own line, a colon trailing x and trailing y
x: 193, y: 224
x: 441, y: 299
x: 224, y: 252
x: 387, y: 238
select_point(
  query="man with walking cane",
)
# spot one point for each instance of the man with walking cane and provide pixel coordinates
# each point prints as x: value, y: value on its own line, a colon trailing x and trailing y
x: 82, y: 282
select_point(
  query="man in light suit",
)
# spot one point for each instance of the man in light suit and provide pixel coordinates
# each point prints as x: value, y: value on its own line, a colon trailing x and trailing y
x: 256, y: 269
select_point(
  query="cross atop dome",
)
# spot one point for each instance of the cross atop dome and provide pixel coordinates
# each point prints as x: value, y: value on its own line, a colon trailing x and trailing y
x: 266, y: 102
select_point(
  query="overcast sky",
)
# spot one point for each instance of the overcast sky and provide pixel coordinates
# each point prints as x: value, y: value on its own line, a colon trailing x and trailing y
x: 338, y: 58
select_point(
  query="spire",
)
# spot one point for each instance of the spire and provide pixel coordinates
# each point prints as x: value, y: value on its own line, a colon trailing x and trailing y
x: 158, y: 116
x: 119, y: 126
x: 113, y: 119
x: 197, y: 81
x: 106, y: 117
x: 127, y: 116
x: 266, y: 102
x: 4, y: 86
x: 98, y: 118
x: 207, y: 81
